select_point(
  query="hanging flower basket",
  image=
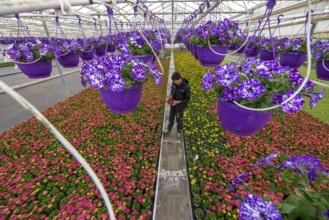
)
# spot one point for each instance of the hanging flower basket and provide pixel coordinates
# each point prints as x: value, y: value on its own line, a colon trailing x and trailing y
x: 39, y: 69
x: 209, y: 58
x: 241, y: 121
x: 267, y: 55
x: 89, y: 55
x: 293, y: 60
x: 146, y: 58
x: 101, y: 51
x: 122, y: 102
x: 252, y: 52
x: 111, y: 48
x: 246, y: 93
x: 119, y: 79
x: 33, y: 58
x: 322, y: 71
x: 69, y: 60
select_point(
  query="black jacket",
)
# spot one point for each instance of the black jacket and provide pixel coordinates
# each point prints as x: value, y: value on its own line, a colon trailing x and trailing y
x: 181, y: 93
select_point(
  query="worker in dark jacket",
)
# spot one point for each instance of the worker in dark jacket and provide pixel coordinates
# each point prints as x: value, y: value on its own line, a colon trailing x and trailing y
x: 180, y: 93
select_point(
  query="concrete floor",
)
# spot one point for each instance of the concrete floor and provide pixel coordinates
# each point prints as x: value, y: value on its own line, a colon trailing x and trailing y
x: 42, y: 95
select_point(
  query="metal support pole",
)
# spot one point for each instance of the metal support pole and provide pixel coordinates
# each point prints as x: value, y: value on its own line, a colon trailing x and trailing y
x: 100, y: 26
x: 57, y: 64
x: 313, y: 26
x: 172, y: 21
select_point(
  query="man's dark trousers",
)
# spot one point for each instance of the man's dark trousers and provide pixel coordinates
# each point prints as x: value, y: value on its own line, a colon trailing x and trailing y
x: 179, y: 116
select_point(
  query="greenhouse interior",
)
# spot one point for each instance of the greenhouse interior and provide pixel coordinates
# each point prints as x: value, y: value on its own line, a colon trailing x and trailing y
x: 146, y: 109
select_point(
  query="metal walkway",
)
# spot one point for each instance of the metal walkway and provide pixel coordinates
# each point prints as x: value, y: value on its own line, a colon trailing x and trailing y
x: 172, y: 198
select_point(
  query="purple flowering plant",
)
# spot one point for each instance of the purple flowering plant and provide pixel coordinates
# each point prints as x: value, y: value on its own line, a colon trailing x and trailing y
x: 305, y: 189
x: 270, y: 43
x: 112, y: 39
x: 219, y: 33
x: 65, y: 46
x: 320, y: 50
x: 239, y: 38
x: 138, y: 46
x: 117, y: 72
x: 30, y: 51
x: 86, y: 43
x: 101, y: 41
x: 297, y: 45
x: 260, y: 84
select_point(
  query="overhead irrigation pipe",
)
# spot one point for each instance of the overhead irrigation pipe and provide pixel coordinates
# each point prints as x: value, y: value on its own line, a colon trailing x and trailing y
x: 14, y: 7
x: 89, y: 19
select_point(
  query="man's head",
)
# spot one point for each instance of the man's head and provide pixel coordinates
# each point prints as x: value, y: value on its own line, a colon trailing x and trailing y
x: 176, y: 78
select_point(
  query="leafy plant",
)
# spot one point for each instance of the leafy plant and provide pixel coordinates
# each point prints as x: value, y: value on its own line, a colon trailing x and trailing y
x: 304, y: 187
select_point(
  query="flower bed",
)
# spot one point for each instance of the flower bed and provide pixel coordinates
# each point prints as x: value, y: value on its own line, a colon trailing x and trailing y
x: 41, y: 180
x: 216, y: 157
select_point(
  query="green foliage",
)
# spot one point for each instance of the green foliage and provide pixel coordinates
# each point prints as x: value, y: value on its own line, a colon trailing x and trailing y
x: 7, y: 64
x: 197, y: 199
x: 199, y: 212
x: 145, y: 49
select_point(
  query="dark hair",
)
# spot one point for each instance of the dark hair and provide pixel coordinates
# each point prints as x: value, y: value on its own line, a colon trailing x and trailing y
x: 175, y: 76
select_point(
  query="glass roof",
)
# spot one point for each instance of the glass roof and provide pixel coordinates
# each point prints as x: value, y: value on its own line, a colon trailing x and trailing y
x: 173, y: 13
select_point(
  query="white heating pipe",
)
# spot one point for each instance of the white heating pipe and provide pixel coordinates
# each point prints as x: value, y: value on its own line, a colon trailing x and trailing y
x: 14, y: 7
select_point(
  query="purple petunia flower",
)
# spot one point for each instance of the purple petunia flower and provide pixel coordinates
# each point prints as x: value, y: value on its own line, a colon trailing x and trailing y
x: 138, y: 72
x: 294, y: 105
x: 315, y: 98
x: 97, y: 79
x: 264, y: 72
x: 231, y: 93
x: 227, y: 77
x: 208, y: 81
x: 117, y: 83
x: 276, y: 98
x: 251, y: 89
x: 238, y: 181
x: 254, y: 208
x: 304, y: 165
x: 267, y: 160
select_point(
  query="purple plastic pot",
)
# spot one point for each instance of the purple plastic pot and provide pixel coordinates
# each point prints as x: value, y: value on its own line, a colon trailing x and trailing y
x: 87, y: 55
x: 100, y: 51
x: 145, y: 58
x: 195, y: 51
x: 252, y: 52
x: 122, y: 102
x: 69, y: 60
x: 233, y: 47
x: 39, y: 69
x: 267, y: 55
x: 293, y: 60
x: 111, y: 48
x: 188, y: 46
x: 241, y: 121
x: 209, y: 58
x: 240, y: 50
x: 321, y: 72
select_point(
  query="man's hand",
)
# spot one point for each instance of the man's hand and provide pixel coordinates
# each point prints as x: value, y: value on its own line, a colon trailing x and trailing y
x: 176, y: 102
